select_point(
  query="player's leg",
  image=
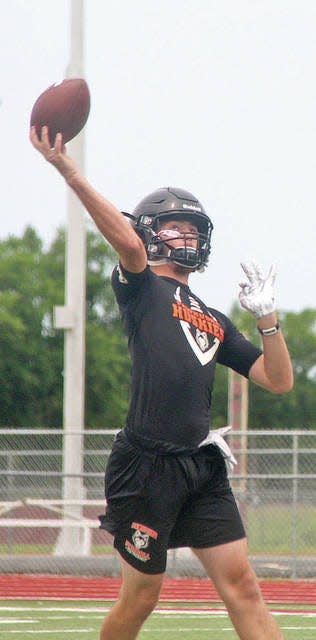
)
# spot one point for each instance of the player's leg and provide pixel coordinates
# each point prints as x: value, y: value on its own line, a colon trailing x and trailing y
x: 144, y: 494
x: 229, y: 568
x: 138, y: 597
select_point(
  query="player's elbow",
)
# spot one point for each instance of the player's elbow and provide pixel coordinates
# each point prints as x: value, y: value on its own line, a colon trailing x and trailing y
x: 133, y: 254
x: 129, y: 242
x: 283, y: 385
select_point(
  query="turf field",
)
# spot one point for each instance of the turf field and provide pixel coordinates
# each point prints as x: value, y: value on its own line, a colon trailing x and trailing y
x: 74, y: 620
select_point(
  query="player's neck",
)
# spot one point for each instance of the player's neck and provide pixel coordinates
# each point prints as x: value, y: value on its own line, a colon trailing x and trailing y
x: 172, y: 270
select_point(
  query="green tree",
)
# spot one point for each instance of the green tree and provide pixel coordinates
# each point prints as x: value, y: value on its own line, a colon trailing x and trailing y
x: 31, y: 350
x: 26, y: 362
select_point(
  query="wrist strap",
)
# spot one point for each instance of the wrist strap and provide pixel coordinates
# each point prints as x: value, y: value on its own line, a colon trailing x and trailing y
x: 271, y: 331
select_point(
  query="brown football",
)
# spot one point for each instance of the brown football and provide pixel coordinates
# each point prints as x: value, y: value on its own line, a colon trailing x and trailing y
x: 63, y: 107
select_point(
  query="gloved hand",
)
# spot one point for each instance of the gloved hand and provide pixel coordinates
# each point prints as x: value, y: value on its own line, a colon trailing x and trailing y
x: 257, y: 293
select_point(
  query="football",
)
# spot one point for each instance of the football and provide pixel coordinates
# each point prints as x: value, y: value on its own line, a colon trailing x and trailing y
x: 63, y: 107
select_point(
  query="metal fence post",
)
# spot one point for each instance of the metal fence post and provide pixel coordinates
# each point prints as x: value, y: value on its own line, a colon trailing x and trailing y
x: 294, y: 503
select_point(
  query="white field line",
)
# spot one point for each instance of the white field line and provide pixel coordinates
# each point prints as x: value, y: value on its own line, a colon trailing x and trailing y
x: 16, y: 621
x: 149, y: 631
x: 41, y: 631
x: 161, y: 611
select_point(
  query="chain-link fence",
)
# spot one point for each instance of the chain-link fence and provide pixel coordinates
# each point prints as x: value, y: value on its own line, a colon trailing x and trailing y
x: 49, y: 509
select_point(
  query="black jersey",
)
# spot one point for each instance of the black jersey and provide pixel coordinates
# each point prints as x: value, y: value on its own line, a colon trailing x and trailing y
x: 175, y: 342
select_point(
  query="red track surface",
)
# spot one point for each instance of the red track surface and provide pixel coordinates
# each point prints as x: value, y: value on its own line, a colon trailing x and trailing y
x: 176, y: 590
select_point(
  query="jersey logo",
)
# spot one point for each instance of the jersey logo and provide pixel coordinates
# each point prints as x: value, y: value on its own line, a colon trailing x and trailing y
x: 203, y: 332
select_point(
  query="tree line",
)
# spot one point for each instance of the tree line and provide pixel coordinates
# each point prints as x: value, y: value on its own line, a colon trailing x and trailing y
x: 31, y: 349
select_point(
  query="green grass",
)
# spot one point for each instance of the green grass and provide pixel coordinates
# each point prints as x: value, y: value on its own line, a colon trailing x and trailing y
x: 81, y: 621
x: 24, y: 549
x: 270, y: 529
x: 46, y: 549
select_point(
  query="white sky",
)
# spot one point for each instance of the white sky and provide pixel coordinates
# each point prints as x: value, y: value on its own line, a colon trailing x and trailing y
x: 215, y: 96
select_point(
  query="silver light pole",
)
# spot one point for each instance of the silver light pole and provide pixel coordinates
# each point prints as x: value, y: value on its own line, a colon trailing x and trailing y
x: 71, y: 318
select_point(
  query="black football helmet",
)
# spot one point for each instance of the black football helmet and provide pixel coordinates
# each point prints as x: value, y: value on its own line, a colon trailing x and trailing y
x: 171, y: 203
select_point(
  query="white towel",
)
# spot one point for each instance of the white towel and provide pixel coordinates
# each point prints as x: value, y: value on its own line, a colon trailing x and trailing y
x: 216, y: 437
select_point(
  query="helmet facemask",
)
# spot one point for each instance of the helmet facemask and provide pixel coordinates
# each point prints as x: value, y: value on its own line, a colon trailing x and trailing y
x: 184, y: 255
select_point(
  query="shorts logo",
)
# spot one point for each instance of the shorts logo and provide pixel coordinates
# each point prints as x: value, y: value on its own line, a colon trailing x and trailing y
x: 141, y: 540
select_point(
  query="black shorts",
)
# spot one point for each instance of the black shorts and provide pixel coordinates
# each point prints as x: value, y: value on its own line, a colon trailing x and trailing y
x: 157, y: 502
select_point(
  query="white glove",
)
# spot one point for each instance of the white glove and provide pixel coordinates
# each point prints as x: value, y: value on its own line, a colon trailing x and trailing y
x: 216, y: 437
x: 257, y: 294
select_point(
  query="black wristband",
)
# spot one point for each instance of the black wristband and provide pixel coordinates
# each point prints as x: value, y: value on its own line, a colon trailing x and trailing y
x: 271, y: 331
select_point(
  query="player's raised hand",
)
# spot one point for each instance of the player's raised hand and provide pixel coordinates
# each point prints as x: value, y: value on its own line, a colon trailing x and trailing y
x: 257, y: 292
x: 43, y: 144
x: 56, y: 155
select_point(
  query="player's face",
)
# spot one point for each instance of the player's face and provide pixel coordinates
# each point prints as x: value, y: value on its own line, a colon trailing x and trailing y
x: 179, y: 233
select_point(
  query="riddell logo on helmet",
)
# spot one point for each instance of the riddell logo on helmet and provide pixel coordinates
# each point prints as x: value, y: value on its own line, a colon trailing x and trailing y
x: 192, y: 207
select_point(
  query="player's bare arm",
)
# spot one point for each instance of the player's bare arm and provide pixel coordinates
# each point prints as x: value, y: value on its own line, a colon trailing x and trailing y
x: 273, y: 369
x: 110, y: 221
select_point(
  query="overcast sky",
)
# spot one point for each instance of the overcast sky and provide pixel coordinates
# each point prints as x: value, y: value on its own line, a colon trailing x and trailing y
x: 215, y: 96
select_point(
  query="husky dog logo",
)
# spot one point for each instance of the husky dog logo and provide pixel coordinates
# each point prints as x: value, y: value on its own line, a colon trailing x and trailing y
x: 202, y: 339
x: 140, y: 539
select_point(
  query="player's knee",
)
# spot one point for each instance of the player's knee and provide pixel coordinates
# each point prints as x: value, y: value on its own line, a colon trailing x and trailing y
x: 149, y: 598
x: 250, y: 587
x: 142, y: 602
x: 246, y: 587
x: 143, y: 607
